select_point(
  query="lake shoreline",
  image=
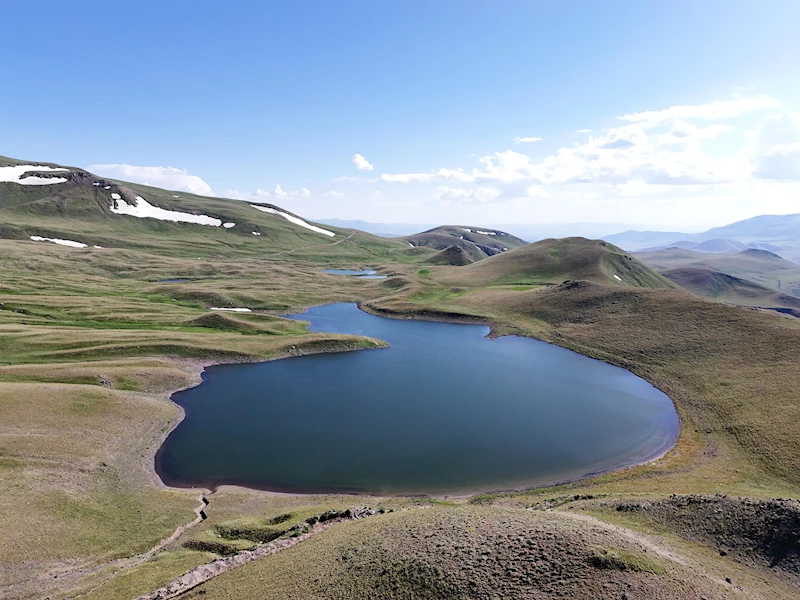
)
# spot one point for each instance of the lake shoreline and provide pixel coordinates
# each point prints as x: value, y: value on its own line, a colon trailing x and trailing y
x: 199, y: 367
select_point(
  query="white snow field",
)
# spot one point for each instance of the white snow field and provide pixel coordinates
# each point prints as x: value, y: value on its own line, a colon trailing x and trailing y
x: 144, y: 210
x: 70, y: 243
x: 295, y: 220
x: 14, y: 175
x: 237, y: 310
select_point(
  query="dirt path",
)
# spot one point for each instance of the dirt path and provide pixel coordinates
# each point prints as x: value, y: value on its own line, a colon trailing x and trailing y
x: 203, y: 573
x: 314, y: 246
x: 123, y: 564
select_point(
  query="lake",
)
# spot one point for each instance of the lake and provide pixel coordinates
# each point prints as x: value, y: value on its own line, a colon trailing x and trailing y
x: 444, y: 410
x: 363, y: 274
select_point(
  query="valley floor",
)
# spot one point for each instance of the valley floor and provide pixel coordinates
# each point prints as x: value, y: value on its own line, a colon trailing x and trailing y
x: 94, y: 344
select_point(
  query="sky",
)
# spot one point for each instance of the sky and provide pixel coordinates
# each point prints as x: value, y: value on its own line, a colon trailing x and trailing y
x: 676, y: 115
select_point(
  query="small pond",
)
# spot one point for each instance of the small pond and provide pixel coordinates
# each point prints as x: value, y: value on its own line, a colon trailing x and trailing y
x: 363, y: 274
x: 444, y: 410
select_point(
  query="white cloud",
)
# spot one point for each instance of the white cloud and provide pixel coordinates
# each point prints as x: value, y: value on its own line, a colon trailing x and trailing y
x: 684, y: 164
x: 362, y: 163
x: 445, y: 174
x: 163, y: 177
x: 345, y: 178
x: 334, y: 194
x: 264, y: 196
x: 777, y: 148
x: 584, y: 131
x: 281, y: 193
x: 477, y: 194
x: 526, y: 140
x: 720, y: 109
x: 537, y: 191
x: 657, y: 147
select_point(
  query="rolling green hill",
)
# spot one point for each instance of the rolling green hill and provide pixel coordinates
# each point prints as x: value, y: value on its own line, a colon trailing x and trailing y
x: 759, y: 266
x: 474, y: 242
x: 554, y: 261
x: 457, y: 255
x: 727, y: 288
x: 82, y: 210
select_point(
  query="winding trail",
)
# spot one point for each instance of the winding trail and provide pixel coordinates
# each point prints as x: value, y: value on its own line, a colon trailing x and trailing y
x: 203, y: 573
x: 123, y: 564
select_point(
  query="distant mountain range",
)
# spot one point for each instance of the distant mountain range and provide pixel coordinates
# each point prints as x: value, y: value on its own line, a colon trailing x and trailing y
x: 776, y: 233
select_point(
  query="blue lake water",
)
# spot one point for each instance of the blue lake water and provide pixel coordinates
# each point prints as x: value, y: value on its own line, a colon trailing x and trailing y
x: 443, y: 410
x: 363, y: 274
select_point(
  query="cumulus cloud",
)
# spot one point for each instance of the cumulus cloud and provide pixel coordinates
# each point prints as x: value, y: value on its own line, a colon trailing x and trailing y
x: 477, y: 194
x: 265, y: 196
x: 163, y: 177
x: 345, y: 178
x: 537, y: 191
x: 362, y: 163
x: 334, y: 194
x: 455, y: 174
x: 527, y: 140
x: 657, y: 147
x: 777, y: 148
x: 720, y: 109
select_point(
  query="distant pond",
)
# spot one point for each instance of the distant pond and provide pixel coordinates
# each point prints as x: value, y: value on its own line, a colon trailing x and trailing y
x: 363, y: 274
x: 445, y: 410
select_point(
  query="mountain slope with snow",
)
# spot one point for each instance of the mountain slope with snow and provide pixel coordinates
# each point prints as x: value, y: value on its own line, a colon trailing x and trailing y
x: 46, y: 201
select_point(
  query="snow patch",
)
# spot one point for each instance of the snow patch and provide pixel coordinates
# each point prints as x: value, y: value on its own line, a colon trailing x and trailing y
x: 255, y: 233
x: 238, y: 310
x: 144, y: 210
x: 14, y: 175
x: 295, y: 220
x: 70, y: 243
x: 617, y: 277
x: 228, y: 225
x: 485, y: 232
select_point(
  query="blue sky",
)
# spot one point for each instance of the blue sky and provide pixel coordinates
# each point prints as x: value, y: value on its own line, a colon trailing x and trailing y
x: 272, y: 101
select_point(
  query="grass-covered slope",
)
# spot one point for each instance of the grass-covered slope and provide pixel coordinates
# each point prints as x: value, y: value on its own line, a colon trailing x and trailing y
x: 727, y: 288
x: 465, y: 552
x: 476, y: 242
x: 80, y: 210
x: 457, y: 255
x: 554, y: 261
x: 759, y: 266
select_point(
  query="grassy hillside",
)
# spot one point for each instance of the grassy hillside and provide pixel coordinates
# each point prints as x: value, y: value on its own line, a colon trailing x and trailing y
x: 727, y: 288
x: 554, y: 261
x: 80, y: 210
x: 457, y: 255
x: 474, y: 242
x: 464, y: 552
x: 759, y: 266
